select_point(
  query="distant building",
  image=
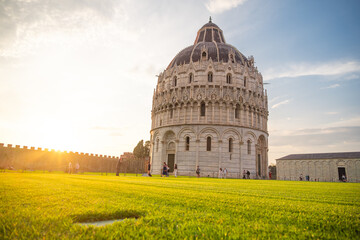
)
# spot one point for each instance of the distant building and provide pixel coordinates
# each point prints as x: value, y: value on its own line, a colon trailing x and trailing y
x: 326, y: 167
x: 210, y: 110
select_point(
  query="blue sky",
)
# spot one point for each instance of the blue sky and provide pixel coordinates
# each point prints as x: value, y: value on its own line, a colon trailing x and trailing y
x: 79, y: 75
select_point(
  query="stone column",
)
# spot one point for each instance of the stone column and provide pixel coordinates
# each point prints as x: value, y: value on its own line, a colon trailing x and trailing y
x: 227, y: 113
x: 185, y: 113
x: 220, y: 112
x: 206, y: 111
x: 197, y: 153
x: 191, y: 112
x: 199, y: 111
x: 233, y: 114
x: 178, y: 117
x: 220, y: 152
x: 176, y: 150
x: 213, y: 109
x: 240, y: 160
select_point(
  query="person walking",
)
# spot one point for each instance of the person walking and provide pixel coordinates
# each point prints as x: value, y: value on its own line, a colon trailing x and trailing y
x: 269, y: 174
x: 248, y: 174
x: 244, y: 174
x: 343, y: 177
x: 167, y: 170
x: 77, y: 167
x: 149, y: 169
x: 225, y: 173
x: 118, y: 167
x: 175, y: 170
x: 198, y: 171
x: 220, y: 173
x: 70, y: 167
x: 164, y: 170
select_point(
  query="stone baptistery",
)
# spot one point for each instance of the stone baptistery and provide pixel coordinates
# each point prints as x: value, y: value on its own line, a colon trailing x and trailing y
x: 210, y: 110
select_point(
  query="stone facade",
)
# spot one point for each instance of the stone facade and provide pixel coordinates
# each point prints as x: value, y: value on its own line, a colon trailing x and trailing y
x: 326, y: 167
x: 210, y: 110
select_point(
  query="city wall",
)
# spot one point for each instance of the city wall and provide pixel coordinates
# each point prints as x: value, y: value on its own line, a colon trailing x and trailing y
x: 25, y: 158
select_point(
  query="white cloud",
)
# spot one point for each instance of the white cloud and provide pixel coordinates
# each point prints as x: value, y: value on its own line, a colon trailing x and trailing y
x: 275, y: 99
x: 308, y: 69
x: 219, y: 6
x: 332, y: 86
x: 280, y: 103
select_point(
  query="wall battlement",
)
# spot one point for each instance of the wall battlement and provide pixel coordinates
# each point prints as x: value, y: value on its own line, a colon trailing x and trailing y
x: 31, y: 158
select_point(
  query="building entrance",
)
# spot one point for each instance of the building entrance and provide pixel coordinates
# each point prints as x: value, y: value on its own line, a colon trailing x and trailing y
x: 342, y: 172
x: 171, y: 162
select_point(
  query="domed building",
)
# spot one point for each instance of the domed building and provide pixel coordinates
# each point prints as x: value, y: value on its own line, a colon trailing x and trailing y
x: 210, y: 110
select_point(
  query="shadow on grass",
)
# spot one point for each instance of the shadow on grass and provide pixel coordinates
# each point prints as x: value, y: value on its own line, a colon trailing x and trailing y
x: 94, y: 217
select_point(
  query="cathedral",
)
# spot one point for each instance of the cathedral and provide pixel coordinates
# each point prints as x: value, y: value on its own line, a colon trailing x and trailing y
x: 210, y: 111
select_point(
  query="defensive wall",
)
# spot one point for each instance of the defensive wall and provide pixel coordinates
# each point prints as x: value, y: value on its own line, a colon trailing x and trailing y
x: 31, y: 158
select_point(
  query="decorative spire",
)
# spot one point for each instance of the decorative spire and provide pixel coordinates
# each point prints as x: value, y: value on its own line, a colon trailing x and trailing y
x: 210, y: 20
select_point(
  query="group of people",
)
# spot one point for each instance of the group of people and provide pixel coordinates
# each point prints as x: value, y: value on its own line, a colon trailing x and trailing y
x: 222, y: 173
x: 246, y: 174
x: 166, y: 170
x: 71, y: 169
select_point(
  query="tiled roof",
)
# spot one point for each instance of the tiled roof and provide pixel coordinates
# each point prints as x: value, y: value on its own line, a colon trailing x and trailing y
x: 210, y: 37
x: 309, y: 156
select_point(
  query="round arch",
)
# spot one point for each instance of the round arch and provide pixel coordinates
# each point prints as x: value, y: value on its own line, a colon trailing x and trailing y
x: 185, y: 129
x: 209, y: 129
x: 232, y: 130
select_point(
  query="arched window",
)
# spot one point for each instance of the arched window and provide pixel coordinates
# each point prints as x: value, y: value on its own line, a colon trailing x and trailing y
x: 230, y: 144
x: 249, y: 147
x: 171, y: 113
x: 237, y: 111
x: 210, y: 77
x: 203, y: 55
x: 202, y: 109
x: 175, y: 81
x: 187, y: 145
x: 208, y: 144
x: 157, y: 145
x: 190, y: 78
x: 244, y: 81
x: 228, y: 78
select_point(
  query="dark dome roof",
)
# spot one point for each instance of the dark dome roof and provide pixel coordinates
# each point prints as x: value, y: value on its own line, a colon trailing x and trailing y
x: 209, y: 37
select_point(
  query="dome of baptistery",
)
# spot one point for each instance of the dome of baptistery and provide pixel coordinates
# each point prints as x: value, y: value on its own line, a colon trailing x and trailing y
x: 210, y: 36
x: 210, y: 112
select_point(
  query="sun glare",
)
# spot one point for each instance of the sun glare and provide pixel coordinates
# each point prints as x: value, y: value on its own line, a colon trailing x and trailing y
x: 57, y: 135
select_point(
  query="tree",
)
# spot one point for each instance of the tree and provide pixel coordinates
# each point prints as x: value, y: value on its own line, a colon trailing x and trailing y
x: 147, y: 148
x: 142, y: 150
x: 139, y: 150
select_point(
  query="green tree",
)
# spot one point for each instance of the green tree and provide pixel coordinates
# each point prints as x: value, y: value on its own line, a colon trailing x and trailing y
x: 147, y: 148
x: 142, y: 150
x: 139, y: 150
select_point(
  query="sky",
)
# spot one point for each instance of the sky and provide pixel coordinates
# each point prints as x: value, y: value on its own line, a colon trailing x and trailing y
x: 79, y: 75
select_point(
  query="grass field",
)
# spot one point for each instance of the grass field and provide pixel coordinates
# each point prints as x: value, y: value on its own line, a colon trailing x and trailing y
x: 48, y: 206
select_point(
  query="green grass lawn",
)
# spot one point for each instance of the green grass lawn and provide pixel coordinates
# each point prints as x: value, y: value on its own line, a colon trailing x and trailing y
x: 48, y: 206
